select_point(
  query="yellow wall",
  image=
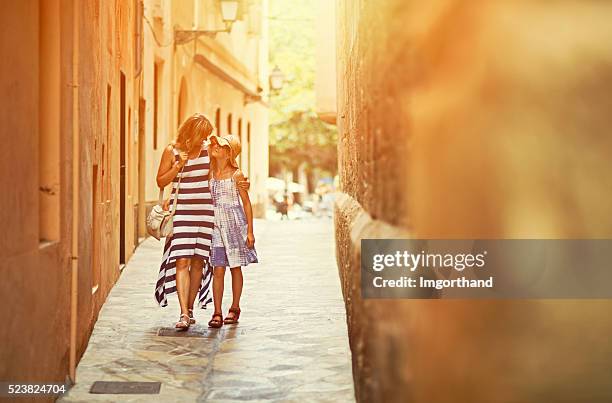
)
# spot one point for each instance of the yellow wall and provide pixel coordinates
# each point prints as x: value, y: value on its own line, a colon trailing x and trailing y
x: 55, y: 120
x: 325, y: 79
x: 241, y: 55
x: 35, y: 267
x: 61, y: 162
x: 158, y: 48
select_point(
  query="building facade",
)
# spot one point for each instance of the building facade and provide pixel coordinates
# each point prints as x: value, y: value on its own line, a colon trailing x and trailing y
x: 223, y: 75
x: 325, y: 75
x: 474, y: 120
x: 92, y: 92
x: 71, y: 82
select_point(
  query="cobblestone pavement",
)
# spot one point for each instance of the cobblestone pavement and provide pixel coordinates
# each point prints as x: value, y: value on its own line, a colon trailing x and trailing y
x: 291, y: 344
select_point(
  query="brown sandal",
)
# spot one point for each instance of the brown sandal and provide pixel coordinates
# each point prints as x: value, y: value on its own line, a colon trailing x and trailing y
x: 191, y: 318
x: 231, y: 321
x: 216, y: 322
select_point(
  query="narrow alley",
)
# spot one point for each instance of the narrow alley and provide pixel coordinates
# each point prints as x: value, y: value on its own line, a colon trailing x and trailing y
x: 291, y: 343
x: 354, y: 121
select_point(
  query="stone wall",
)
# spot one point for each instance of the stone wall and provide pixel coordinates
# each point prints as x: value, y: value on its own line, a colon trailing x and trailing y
x: 35, y: 268
x: 63, y: 58
x: 479, y: 119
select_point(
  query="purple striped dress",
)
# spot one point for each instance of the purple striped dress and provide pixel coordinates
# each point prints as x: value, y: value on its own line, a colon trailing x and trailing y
x: 193, y: 226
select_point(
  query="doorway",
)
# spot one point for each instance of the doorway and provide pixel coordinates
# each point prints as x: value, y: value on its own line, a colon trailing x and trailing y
x: 95, y: 233
x: 182, y: 103
x: 140, y: 217
x: 122, y: 130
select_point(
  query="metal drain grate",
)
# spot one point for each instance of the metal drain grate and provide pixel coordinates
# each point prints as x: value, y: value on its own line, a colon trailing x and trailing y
x: 125, y: 388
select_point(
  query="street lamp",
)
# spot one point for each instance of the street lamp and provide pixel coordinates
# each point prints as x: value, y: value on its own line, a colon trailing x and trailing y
x: 229, y: 15
x: 277, y: 79
x: 229, y: 12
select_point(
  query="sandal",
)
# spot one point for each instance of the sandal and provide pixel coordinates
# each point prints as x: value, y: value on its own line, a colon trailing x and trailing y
x: 191, y: 318
x: 183, y: 323
x: 231, y: 321
x: 216, y: 322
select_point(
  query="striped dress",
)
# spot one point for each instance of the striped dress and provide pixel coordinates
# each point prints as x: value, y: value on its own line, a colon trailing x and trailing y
x: 193, y: 226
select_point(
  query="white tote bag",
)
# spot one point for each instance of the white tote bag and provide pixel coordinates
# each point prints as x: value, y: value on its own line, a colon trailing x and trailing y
x: 160, y: 221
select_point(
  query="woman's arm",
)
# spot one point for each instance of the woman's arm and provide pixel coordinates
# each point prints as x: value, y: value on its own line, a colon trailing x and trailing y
x: 248, y: 210
x: 168, y: 168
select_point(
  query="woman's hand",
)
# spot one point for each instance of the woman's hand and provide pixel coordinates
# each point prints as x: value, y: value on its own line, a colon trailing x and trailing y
x: 244, y: 184
x: 183, y: 157
x: 250, y: 241
x: 166, y: 205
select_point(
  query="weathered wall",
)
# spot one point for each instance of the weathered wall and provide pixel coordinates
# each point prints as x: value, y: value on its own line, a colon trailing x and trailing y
x: 157, y: 49
x: 106, y: 50
x: 52, y: 62
x: 35, y: 269
x: 479, y: 119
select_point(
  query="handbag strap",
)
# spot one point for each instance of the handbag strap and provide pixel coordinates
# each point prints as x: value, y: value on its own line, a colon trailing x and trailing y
x: 161, y: 192
x: 178, y: 186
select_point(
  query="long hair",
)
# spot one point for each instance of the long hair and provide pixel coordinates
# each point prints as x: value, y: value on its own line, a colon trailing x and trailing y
x: 194, y: 130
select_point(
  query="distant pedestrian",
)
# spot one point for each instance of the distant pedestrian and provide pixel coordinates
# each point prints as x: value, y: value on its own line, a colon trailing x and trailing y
x: 233, y: 242
x: 283, y: 207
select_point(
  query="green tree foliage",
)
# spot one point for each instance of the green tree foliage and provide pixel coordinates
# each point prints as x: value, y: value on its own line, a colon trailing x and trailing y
x: 297, y: 135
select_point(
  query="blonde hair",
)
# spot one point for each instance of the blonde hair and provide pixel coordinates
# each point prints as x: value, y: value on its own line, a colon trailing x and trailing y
x: 194, y: 130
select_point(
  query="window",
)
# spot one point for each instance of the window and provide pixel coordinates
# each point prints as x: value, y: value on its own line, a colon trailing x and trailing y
x: 128, y: 151
x: 182, y: 103
x: 241, y: 142
x: 248, y: 171
x: 49, y: 123
x: 106, y: 170
x: 138, y: 36
x: 218, y: 121
x: 157, y: 76
x: 229, y: 124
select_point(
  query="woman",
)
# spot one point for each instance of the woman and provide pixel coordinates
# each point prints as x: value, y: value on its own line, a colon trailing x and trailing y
x: 185, y: 264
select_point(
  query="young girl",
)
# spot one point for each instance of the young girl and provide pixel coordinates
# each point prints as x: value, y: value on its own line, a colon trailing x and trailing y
x: 233, y: 243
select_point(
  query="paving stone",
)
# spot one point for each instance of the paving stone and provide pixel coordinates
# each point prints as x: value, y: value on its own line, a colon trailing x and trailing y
x: 291, y: 343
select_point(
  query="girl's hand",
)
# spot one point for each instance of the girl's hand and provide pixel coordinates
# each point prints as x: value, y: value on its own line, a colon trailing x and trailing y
x: 244, y: 184
x: 166, y: 205
x: 250, y: 240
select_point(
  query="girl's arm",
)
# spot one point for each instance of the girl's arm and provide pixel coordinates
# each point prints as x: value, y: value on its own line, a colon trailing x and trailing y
x: 248, y: 210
